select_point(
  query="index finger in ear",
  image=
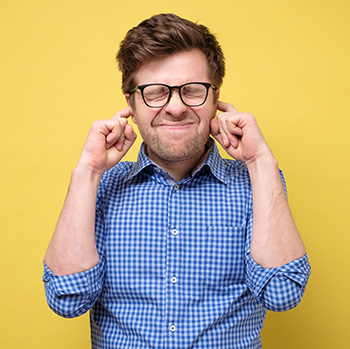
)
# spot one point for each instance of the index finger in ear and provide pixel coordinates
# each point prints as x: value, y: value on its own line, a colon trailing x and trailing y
x: 125, y: 113
x: 225, y: 107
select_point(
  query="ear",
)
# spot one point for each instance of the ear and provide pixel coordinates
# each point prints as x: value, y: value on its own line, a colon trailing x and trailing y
x: 217, y: 91
x: 131, y: 105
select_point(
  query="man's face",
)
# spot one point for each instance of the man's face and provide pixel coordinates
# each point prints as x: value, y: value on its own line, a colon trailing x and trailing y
x: 174, y: 132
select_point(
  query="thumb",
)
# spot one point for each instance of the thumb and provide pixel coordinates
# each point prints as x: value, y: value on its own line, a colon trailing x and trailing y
x: 215, y: 130
x: 130, y: 136
x: 214, y: 127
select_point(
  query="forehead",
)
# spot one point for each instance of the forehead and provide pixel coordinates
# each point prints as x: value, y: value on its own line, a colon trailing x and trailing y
x: 174, y: 69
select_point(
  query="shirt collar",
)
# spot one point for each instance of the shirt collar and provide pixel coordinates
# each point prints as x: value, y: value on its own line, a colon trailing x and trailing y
x: 216, y: 163
x: 211, y: 159
x: 143, y: 161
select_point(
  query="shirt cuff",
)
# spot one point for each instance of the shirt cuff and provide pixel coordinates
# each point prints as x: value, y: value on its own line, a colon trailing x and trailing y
x: 74, y: 294
x: 284, y: 285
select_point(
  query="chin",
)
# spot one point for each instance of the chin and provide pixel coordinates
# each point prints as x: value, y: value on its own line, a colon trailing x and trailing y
x: 176, y: 153
x: 175, y: 149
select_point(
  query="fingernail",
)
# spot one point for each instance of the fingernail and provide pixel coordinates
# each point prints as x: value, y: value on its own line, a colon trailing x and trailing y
x: 226, y: 141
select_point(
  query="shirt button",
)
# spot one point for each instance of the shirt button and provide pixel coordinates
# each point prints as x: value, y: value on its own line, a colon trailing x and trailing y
x: 172, y: 328
x: 174, y: 280
x: 176, y: 187
x: 174, y: 232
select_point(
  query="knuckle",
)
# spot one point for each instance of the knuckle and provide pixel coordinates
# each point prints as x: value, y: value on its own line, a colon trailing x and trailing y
x: 96, y: 123
x: 248, y: 115
x: 123, y: 121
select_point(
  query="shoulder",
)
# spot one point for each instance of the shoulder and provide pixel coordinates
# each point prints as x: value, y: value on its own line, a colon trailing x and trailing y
x: 236, y: 169
x: 118, y: 173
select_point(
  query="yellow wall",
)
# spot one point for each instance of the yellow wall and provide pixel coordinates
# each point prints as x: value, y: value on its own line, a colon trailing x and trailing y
x: 287, y: 62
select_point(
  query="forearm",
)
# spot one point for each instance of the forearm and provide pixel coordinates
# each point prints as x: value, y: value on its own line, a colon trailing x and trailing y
x: 275, y: 237
x: 72, y: 248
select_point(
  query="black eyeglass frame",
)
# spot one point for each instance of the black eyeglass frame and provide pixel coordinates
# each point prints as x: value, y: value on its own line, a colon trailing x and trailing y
x: 207, y: 85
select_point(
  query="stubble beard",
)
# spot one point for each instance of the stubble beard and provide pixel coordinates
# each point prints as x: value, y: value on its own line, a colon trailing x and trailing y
x: 176, y: 150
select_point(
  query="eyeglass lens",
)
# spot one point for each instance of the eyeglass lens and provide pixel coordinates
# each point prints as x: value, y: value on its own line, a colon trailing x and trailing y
x: 193, y: 94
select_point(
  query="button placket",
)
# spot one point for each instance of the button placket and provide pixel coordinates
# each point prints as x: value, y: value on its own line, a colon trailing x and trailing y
x: 173, y: 262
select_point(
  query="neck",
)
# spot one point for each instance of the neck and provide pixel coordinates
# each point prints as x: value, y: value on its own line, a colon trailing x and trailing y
x: 176, y: 169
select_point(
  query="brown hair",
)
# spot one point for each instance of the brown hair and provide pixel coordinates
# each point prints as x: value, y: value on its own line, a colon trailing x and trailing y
x: 164, y: 34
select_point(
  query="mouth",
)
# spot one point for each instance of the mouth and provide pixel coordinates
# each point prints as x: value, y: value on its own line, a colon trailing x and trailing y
x: 176, y: 126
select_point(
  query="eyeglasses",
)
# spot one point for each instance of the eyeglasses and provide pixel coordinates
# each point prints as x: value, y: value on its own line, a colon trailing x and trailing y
x: 192, y: 94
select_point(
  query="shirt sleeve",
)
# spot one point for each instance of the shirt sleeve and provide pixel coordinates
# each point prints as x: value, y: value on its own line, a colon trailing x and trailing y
x: 73, y: 295
x: 279, y: 288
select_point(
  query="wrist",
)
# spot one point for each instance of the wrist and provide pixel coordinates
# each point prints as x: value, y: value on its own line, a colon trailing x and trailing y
x: 83, y: 173
x: 263, y: 162
x: 265, y: 177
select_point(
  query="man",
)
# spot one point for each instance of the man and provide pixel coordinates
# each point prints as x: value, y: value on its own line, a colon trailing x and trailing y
x: 182, y: 249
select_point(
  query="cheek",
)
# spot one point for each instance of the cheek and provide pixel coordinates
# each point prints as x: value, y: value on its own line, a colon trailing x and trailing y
x: 207, y: 114
x: 144, y: 116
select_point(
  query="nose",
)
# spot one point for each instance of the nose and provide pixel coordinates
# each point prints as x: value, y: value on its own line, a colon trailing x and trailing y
x: 175, y: 106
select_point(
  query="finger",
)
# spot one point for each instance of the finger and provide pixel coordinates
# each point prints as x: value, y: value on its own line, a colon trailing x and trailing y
x: 119, y: 144
x: 224, y: 132
x: 233, y: 128
x: 214, y: 127
x: 234, y: 141
x: 217, y: 134
x: 126, y: 140
x: 116, y: 134
x: 231, y: 133
x: 234, y: 133
x: 125, y: 113
x: 225, y: 107
x: 130, y: 136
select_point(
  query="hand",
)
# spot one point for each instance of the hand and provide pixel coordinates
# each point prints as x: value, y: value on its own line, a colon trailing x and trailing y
x: 107, y: 142
x: 239, y: 134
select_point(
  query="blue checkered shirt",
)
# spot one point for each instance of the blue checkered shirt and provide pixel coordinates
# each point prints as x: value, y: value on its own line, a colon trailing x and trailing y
x: 175, y: 269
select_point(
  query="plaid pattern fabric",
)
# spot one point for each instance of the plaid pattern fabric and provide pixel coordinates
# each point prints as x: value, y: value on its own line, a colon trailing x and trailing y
x: 175, y: 269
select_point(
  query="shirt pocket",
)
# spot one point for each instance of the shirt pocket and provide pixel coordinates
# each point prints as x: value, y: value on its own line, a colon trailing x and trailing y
x: 225, y: 255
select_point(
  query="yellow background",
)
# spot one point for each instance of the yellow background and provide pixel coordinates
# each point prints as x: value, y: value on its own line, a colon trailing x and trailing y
x: 287, y: 63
